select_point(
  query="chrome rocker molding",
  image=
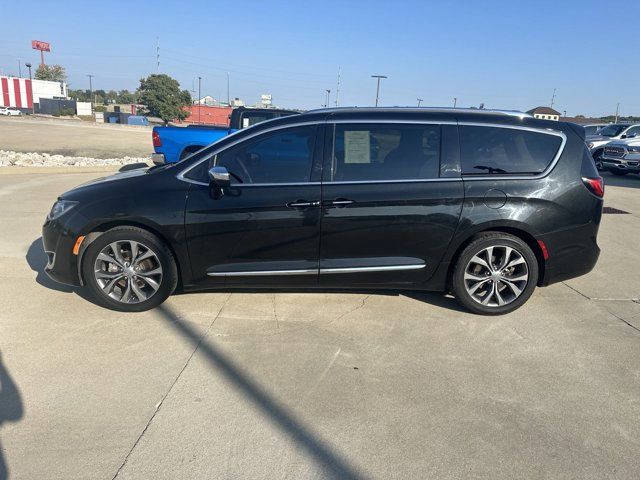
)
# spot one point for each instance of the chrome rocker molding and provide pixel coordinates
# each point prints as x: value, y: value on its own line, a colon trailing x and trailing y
x: 257, y: 273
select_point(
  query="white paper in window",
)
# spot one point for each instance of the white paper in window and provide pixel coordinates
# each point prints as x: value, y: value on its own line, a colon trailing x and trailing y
x: 357, y: 147
x: 245, y: 122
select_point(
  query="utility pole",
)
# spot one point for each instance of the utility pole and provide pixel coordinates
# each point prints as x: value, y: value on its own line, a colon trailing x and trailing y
x: 617, y: 111
x: 419, y: 101
x: 379, y: 77
x: 228, y: 97
x: 338, y: 88
x: 326, y: 103
x: 553, y: 98
x: 455, y: 101
x: 199, y: 99
x: 91, y: 89
x: 157, y: 55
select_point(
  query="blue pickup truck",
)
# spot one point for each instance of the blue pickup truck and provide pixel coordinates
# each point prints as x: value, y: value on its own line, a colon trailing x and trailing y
x: 172, y: 144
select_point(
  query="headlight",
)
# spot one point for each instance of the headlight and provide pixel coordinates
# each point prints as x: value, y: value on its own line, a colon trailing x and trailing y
x: 590, y: 145
x: 60, y: 207
x: 634, y: 149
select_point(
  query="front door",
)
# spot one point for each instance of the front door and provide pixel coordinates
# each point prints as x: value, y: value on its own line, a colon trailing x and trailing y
x: 264, y: 229
x: 388, y: 212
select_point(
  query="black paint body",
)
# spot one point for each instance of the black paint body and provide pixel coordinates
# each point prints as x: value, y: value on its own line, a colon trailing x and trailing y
x: 250, y: 228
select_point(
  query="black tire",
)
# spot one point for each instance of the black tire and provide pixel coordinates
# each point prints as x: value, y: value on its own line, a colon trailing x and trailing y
x: 597, y: 158
x: 478, y: 244
x: 620, y: 173
x: 167, y: 280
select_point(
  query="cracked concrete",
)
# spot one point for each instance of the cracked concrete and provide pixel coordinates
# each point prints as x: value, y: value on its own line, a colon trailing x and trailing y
x: 319, y: 384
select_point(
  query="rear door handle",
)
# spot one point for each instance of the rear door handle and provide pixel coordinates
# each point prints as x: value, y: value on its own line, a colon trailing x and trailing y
x: 302, y: 204
x: 339, y: 202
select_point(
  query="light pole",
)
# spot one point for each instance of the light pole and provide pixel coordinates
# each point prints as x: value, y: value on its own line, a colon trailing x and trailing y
x: 28, y: 65
x: 326, y: 103
x: 419, y: 101
x: 199, y: 99
x: 379, y: 77
x: 91, y: 99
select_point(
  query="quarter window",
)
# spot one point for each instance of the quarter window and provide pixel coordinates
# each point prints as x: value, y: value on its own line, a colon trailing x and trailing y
x: 496, y: 150
x: 284, y: 156
x: 364, y: 152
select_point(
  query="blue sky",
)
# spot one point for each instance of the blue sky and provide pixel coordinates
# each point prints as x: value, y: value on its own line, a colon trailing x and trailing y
x: 505, y: 54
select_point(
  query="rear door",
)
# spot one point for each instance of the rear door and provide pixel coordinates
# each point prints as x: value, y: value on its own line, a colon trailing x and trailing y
x: 392, y: 197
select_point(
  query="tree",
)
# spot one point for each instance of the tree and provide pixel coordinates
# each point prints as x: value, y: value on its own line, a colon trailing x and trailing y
x: 161, y: 96
x: 53, y: 73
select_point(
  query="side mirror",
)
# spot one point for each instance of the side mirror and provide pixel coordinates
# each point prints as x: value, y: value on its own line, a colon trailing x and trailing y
x: 623, y: 136
x: 220, y: 176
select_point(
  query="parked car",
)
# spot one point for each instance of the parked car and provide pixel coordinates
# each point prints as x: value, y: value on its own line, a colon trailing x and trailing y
x: 622, y: 156
x: 593, y: 129
x: 613, y: 131
x: 172, y: 144
x: 10, y: 111
x: 485, y: 204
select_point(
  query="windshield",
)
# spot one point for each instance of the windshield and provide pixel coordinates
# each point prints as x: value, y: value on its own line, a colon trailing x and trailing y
x: 612, y: 130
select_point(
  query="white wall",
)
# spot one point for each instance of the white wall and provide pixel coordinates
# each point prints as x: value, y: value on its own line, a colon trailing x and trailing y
x: 46, y: 89
x: 83, y: 108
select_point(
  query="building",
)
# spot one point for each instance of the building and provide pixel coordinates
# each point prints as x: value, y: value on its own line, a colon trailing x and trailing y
x: 25, y: 94
x: 208, y: 115
x: 545, y: 113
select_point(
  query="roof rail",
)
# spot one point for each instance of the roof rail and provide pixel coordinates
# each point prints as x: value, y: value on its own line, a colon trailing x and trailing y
x: 511, y: 113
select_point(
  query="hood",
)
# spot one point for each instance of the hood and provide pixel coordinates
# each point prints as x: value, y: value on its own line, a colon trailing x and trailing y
x: 117, y: 181
x: 597, y: 138
x: 116, y: 176
x: 633, y: 142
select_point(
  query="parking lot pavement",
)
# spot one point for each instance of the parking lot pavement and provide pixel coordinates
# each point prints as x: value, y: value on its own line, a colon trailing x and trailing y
x: 316, y: 385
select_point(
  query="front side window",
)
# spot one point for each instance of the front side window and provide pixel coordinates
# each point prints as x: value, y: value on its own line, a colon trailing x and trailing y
x: 612, y: 130
x: 283, y: 156
x: 633, y: 131
x: 370, y: 152
x: 497, y: 150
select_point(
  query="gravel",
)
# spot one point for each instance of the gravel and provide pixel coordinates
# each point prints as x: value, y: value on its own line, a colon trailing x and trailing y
x: 19, y: 159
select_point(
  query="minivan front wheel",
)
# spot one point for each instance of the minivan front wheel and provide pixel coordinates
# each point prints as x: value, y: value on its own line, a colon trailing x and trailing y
x: 495, y: 274
x: 129, y: 269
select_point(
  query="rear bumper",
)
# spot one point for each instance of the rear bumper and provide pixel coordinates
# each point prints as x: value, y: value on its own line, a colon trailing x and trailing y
x: 572, y: 253
x: 158, y: 158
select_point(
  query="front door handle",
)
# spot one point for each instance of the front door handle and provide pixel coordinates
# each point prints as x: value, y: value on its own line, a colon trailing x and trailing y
x: 302, y: 204
x: 339, y: 202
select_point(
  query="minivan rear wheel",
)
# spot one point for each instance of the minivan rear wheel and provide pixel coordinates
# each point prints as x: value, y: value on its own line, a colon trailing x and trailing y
x: 129, y: 269
x: 495, y: 274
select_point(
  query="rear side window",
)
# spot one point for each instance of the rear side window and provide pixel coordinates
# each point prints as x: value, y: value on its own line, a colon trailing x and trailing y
x: 496, y: 150
x: 370, y: 152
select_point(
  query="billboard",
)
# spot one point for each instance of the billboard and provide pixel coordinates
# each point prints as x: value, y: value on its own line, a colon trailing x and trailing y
x: 40, y: 45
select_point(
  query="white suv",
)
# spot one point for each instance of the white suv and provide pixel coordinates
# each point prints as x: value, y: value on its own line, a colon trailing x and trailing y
x: 614, y: 131
x: 9, y: 111
x: 622, y: 156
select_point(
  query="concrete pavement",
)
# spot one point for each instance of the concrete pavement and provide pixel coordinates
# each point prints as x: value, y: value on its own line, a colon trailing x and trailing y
x: 317, y: 385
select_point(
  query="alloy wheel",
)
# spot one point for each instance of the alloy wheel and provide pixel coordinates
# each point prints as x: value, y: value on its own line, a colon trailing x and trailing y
x: 128, y: 271
x: 496, y: 276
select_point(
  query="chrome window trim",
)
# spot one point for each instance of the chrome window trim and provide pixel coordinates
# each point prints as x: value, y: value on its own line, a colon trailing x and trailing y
x: 381, y: 268
x: 547, y: 171
x: 181, y: 175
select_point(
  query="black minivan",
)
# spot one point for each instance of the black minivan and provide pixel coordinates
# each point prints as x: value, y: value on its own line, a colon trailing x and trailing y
x: 483, y: 204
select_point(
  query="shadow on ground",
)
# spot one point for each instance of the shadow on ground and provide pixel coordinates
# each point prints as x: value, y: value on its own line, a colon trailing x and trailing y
x: 37, y: 260
x: 11, y: 409
x: 331, y: 462
x: 629, y: 181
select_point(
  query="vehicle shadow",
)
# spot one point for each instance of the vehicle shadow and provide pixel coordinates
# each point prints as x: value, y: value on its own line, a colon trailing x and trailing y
x: 331, y: 462
x: 11, y: 409
x: 630, y: 181
x: 37, y: 260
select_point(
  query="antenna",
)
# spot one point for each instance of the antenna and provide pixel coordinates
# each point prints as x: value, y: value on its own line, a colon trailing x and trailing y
x: 338, y: 88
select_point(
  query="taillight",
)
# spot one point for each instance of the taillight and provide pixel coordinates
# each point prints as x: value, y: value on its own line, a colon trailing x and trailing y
x: 595, y: 185
x: 157, y: 141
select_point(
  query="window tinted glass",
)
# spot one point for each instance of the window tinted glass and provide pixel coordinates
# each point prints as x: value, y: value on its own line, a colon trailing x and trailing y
x: 495, y: 150
x: 385, y: 152
x: 283, y: 156
x: 633, y: 131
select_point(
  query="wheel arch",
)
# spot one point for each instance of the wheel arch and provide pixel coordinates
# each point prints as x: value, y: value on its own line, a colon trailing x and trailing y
x: 516, y: 230
x: 99, y: 229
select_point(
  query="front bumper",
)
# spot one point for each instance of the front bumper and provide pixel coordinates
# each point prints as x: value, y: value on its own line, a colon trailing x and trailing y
x: 58, y: 240
x: 158, y: 158
x: 628, y: 163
